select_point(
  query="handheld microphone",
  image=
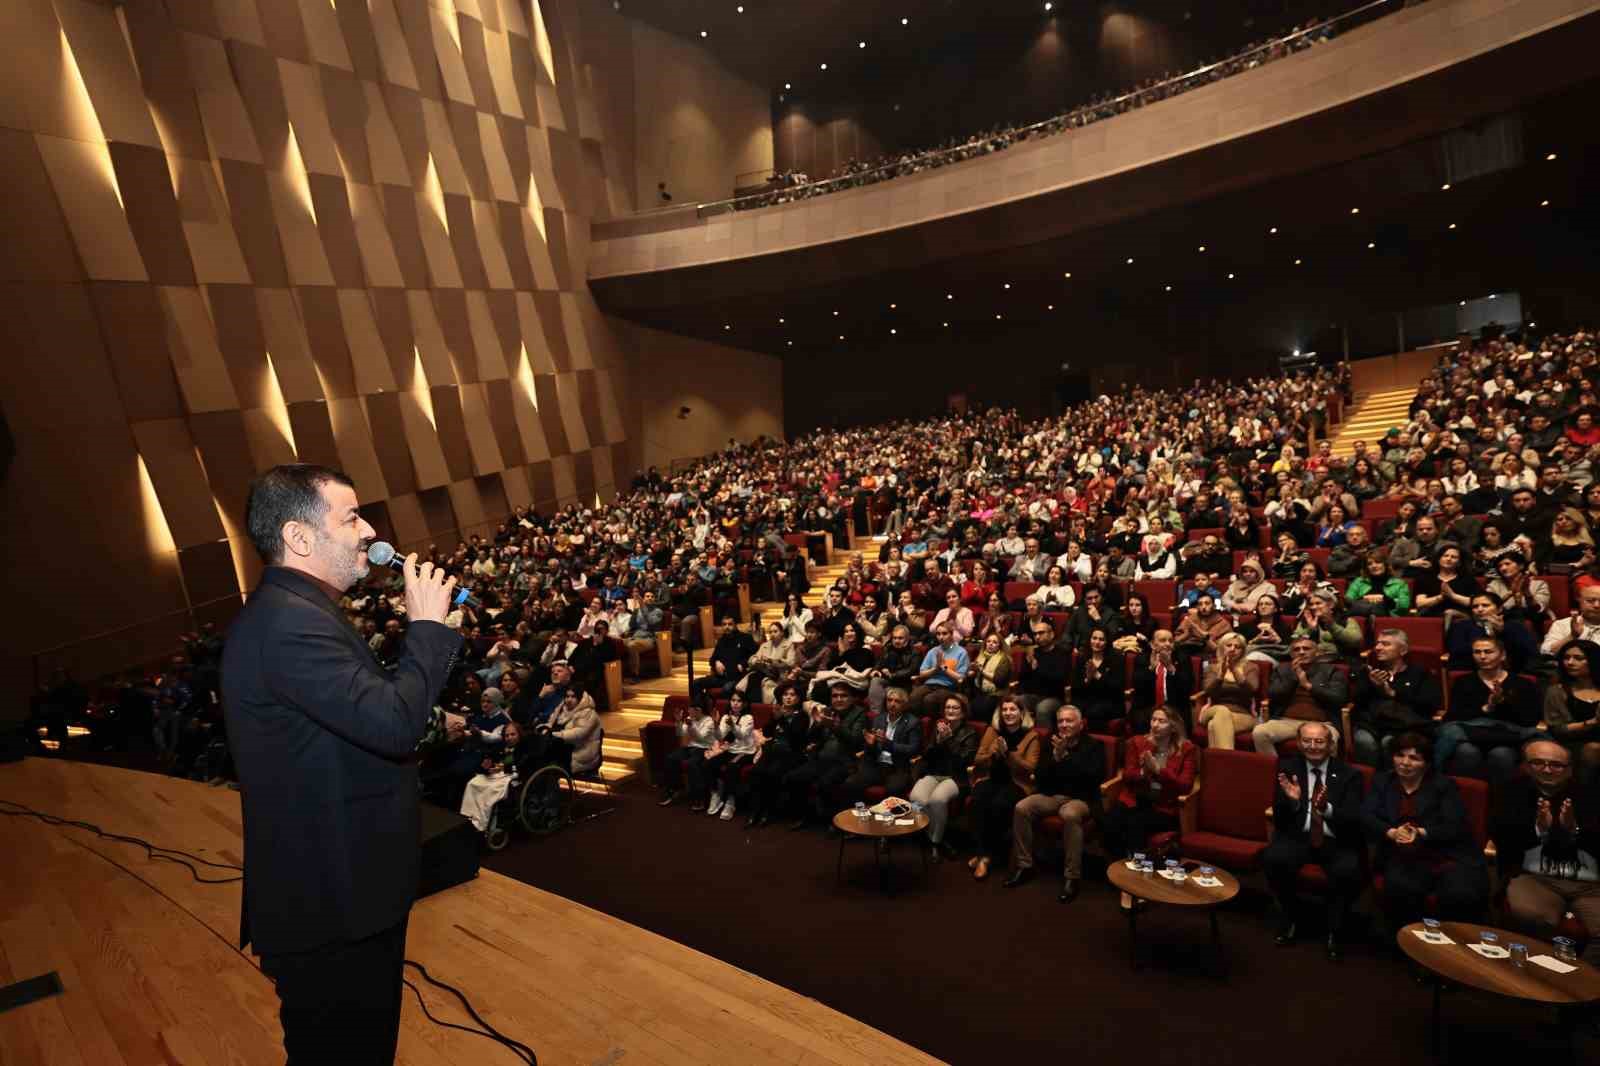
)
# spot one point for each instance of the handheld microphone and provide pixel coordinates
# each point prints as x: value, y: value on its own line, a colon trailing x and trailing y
x: 381, y: 553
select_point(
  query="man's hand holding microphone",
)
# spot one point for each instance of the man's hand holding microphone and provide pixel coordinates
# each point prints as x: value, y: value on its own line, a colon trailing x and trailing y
x: 429, y: 595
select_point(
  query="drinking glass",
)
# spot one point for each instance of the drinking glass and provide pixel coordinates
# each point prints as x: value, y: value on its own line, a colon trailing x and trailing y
x: 1430, y: 927
x: 1566, y: 949
x: 1488, y: 938
x: 1519, y: 955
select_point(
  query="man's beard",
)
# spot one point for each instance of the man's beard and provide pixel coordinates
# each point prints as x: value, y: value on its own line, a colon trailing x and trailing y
x: 347, y: 567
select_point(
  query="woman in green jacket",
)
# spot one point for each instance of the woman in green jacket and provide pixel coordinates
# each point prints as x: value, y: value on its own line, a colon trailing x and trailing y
x: 1377, y: 590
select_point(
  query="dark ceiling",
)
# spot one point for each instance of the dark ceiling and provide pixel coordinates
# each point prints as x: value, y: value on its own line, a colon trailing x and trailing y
x: 1382, y: 156
x: 773, y: 43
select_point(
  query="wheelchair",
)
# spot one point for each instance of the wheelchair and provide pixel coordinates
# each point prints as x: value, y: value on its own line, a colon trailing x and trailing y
x: 541, y: 802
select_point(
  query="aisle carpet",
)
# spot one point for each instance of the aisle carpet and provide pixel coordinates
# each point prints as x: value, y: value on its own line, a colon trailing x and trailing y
x: 975, y: 973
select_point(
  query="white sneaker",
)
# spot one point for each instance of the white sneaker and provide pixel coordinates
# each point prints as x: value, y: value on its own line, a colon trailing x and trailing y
x: 715, y: 805
x: 727, y: 810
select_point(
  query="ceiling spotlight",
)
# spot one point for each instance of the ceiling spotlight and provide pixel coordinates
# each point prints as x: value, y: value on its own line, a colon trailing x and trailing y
x: 1274, y: 229
x: 905, y: 22
x: 1371, y: 244
x: 789, y: 343
x: 891, y: 332
x: 893, y: 306
x: 786, y: 85
x: 739, y: 9
x: 1445, y: 187
x: 1551, y: 158
x: 997, y: 318
x: 1049, y: 307
x: 1297, y: 262
x: 1048, y: 5
x: 1007, y: 285
x: 1130, y: 260
x: 1544, y: 203
x: 702, y: 33
x: 1067, y: 275
x: 1201, y: 248
x: 861, y: 44
x: 841, y: 336
x: 726, y: 328
x: 1230, y: 277
x: 1355, y: 210
x: 822, y: 66
x: 1463, y: 303
x: 947, y: 325
x: 780, y: 321
x: 1169, y: 288
x: 1452, y: 225
x: 836, y: 314
x: 1297, y: 351
x: 949, y: 296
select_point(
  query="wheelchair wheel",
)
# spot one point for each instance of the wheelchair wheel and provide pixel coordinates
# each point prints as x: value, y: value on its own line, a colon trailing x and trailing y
x: 545, y: 802
x: 499, y: 835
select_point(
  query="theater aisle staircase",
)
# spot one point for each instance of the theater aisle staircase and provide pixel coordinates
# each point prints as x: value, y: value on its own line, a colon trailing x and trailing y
x: 642, y: 699
x: 1371, y: 416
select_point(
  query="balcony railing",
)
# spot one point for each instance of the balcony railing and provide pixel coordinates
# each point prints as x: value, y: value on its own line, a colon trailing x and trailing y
x: 988, y: 144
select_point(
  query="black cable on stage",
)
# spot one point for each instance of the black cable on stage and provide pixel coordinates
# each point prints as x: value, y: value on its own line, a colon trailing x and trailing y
x: 154, y: 851
x: 523, y: 1051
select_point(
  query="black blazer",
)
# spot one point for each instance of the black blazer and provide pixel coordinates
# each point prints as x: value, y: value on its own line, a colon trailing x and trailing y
x: 1345, y: 791
x: 323, y: 738
x: 1440, y: 813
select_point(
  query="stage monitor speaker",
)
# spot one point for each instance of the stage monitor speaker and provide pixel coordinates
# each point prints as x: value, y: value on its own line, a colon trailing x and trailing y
x: 449, y: 851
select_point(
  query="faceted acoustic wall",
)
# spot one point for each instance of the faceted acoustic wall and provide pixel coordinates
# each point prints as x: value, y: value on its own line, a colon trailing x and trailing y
x: 243, y: 232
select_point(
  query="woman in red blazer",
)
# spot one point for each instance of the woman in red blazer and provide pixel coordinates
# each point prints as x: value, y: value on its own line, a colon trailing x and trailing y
x: 1157, y: 768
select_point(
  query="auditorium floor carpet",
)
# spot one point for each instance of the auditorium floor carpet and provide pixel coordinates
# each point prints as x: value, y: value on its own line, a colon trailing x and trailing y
x: 974, y: 973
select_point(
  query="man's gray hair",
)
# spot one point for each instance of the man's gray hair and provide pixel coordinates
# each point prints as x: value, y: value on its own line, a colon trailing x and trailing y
x: 1398, y: 636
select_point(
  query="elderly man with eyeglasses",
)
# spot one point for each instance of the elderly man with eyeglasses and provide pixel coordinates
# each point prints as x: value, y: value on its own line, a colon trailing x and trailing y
x: 1546, y: 831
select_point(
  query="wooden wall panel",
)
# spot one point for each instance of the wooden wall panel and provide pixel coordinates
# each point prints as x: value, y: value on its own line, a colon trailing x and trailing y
x: 301, y: 204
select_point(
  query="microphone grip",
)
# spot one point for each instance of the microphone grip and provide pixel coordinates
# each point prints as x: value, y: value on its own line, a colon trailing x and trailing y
x: 463, y: 596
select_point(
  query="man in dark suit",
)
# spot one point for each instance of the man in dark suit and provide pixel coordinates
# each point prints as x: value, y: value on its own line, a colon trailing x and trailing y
x: 323, y: 738
x: 1161, y: 678
x: 1316, y: 819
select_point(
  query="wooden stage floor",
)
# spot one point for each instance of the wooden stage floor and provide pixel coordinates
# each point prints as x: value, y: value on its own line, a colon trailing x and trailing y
x: 153, y: 980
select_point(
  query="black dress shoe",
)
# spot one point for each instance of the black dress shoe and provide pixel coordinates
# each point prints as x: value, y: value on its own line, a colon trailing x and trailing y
x: 1018, y: 877
x: 1285, y: 935
x: 1334, y: 954
x: 668, y: 800
x: 1069, y: 891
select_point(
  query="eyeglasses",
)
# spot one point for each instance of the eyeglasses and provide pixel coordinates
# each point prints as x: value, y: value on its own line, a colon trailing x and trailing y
x: 1548, y: 764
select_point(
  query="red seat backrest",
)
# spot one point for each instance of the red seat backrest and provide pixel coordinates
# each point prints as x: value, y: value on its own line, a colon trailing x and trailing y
x: 1202, y: 534
x: 1424, y: 634
x: 1238, y: 787
x: 1160, y: 594
x: 1018, y: 590
x: 1113, y: 764
x: 1560, y: 594
x: 1475, y: 798
x: 1381, y: 507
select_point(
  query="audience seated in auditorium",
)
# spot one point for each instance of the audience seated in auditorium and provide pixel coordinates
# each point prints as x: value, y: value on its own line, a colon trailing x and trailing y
x: 1301, y: 690
x: 1546, y: 832
x: 1071, y: 767
x: 1158, y: 770
x: 1005, y: 764
x: 942, y: 773
x: 1316, y: 820
x: 1491, y: 712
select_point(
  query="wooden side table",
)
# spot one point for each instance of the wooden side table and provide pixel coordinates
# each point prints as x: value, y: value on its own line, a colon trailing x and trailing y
x: 881, y: 834
x: 1153, y: 888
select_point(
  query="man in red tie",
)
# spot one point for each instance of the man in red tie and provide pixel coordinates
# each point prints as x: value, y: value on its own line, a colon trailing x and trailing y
x: 1316, y: 816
